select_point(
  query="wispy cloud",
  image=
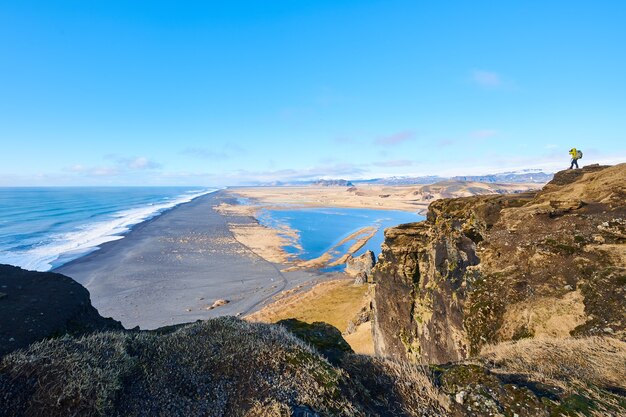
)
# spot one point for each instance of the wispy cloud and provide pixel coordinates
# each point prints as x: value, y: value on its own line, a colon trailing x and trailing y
x: 484, y: 133
x: 119, y: 165
x: 141, y: 162
x: 339, y: 170
x: 132, y: 162
x: 395, y: 139
x: 394, y: 163
x: 224, y: 152
x: 487, y: 79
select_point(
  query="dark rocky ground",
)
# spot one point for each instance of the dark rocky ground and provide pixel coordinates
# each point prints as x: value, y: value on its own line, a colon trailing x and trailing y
x: 38, y: 305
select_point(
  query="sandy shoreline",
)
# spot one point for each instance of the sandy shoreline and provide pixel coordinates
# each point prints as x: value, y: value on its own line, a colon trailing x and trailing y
x: 172, y: 268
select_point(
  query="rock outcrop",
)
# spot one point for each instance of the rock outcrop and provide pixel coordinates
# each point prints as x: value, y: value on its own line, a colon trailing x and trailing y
x: 361, y: 266
x: 40, y: 305
x: 326, y: 339
x: 486, y: 269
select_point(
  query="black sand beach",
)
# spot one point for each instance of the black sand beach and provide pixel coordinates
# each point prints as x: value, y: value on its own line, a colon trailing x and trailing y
x: 170, y: 269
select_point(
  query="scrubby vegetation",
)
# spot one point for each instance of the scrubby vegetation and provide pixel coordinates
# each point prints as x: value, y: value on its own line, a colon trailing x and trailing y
x: 220, y: 367
x: 230, y: 367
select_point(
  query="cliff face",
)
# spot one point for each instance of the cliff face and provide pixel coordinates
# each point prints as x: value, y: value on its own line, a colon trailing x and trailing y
x: 39, y: 305
x: 487, y: 269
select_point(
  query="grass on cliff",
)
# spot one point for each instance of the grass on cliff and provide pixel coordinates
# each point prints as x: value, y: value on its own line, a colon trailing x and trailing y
x: 334, y: 302
x: 220, y: 367
x: 597, y: 360
x: 590, y: 371
x: 230, y: 367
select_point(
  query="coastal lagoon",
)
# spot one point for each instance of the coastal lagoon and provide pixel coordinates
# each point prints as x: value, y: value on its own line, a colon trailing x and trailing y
x: 326, y: 229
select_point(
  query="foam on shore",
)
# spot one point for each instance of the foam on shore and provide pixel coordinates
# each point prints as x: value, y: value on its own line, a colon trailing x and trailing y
x: 68, y: 246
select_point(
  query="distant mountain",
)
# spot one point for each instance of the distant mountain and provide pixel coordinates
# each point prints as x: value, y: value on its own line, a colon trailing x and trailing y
x: 533, y: 176
x: 430, y: 179
x: 524, y: 176
x: 333, y: 183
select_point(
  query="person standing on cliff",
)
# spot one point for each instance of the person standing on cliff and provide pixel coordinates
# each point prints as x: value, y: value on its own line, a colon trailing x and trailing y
x: 576, y: 155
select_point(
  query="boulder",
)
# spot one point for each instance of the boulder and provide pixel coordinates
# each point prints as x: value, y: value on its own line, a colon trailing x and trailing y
x: 360, y: 278
x: 324, y: 337
x: 361, y: 264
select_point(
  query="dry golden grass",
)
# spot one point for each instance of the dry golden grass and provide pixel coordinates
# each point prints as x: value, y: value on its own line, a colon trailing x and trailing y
x: 361, y: 340
x: 333, y: 302
x: 597, y: 360
x: 399, y: 388
x: 384, y: 197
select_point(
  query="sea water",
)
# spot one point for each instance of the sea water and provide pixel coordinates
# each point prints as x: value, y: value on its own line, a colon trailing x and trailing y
x: 43, y: 228
x: 322, y: 229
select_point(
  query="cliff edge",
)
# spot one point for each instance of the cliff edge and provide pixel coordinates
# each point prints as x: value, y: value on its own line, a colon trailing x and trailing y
x: 229, y: 367
x: 488, y: 269
x: 39, y: 305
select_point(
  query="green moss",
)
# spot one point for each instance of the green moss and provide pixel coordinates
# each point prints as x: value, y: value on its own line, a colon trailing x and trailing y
x: 573, y: 405
x: 324, y: 337
x: 523, y: 333
x: 560, y: 247
x: 459, y: 376
x: 411, y: 344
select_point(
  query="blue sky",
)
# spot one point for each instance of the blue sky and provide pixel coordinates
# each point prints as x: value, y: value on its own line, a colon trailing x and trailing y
x: 233, y: 92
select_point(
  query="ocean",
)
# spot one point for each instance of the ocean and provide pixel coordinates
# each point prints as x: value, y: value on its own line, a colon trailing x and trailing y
x: 43, y: 228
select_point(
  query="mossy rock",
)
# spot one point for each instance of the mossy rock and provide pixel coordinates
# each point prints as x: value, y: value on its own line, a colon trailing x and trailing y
x: 479, y: 392
x: 322, y: 336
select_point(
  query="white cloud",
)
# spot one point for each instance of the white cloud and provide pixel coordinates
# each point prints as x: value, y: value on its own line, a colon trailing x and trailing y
x: 120, y: 165
x: 487, y: 79
x: 484, y: 133
x: 395, y: 139
x: 394, y: 163
x: 142, y: 162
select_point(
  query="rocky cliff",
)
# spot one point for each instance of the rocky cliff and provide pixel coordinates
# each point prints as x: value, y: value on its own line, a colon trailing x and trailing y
x: 487, y: 269
x: 230, y: 367
x: 40, y: 305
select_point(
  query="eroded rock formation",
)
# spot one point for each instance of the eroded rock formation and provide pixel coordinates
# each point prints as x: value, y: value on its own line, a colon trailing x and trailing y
x: 361, y: 266
x: 486, y: 269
